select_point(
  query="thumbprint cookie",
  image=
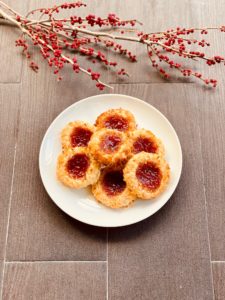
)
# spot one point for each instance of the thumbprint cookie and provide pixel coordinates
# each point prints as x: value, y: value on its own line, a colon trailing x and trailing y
x: 76, y: 134
x: 111, y: 189
x: 145, y: 140
x: 147, y: 175
x: 77, y: 169
x: 109, y: 146
x: 119, y: 119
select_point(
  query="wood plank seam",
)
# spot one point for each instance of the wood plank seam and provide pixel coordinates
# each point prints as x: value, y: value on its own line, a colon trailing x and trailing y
x: 8, y: 219
x: 206, y: 209
x: 54, y: 261
x: 55, y: 281
x: 11, y: 192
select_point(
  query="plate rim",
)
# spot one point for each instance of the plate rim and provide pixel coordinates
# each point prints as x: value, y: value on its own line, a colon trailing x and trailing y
x: 101, y: 96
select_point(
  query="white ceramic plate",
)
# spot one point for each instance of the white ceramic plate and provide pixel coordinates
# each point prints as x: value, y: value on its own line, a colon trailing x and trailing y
x: 80, y: 204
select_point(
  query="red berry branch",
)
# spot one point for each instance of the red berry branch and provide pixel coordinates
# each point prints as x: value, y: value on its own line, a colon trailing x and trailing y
x: 61, y: 41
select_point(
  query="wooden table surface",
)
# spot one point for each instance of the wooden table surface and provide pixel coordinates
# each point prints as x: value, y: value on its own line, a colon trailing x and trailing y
x: 179, y: 253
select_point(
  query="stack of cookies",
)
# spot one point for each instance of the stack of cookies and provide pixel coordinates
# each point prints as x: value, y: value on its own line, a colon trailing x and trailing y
x: 120, y: 162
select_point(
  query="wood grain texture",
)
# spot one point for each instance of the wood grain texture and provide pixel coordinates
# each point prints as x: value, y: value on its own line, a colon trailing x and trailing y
x: 19, y: 6
x: 92, y: 7
x: 219, y: 280
x: 10, y: 56
x: 9, y: 113
x: 33, y: 214
x: 55, y: 281
x: 156, y: 16
x: 191, y: 13
x: 214, y: 16
x: 212, y: 124
x: 167, y: 255
x: 211, y: 108
x: 164, y: 257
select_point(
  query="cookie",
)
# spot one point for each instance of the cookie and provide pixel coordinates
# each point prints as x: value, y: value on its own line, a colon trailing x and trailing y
x: 111, y: 189
x: 117, y: 119
x: 147, y: 175
x: 77, y: 169
x: 109, y: 146
x: 76, y: 134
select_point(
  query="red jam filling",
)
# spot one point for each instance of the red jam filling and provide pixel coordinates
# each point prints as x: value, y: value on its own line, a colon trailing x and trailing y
x: 149, y: 175
x: 113, y: 183
x: 144, y: 144
x: 78, y: 165
x: 110, y: 143
x: 80, y: 137
x: 116, y: 122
